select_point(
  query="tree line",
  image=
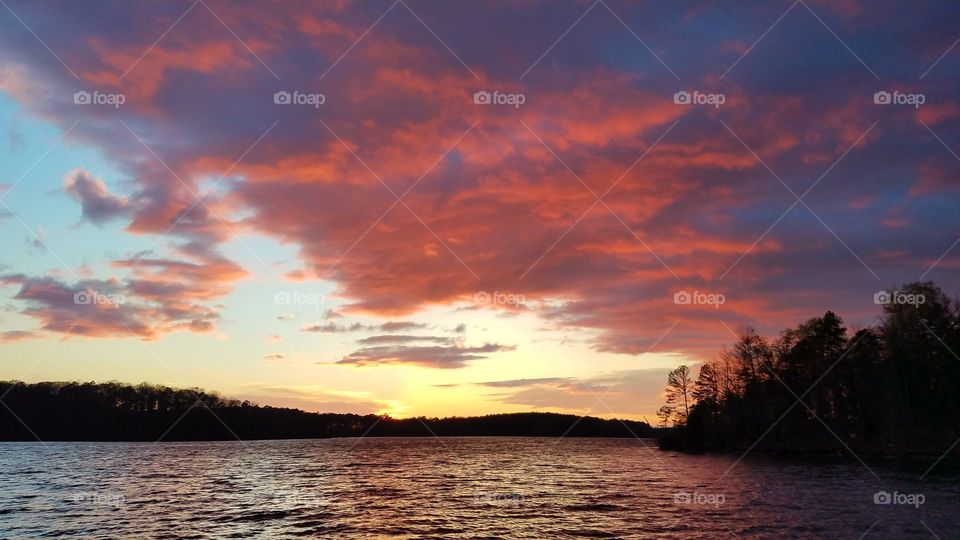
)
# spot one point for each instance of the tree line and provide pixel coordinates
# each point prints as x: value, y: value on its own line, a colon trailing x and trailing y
x: 889, y: 389
x: 73, y: 411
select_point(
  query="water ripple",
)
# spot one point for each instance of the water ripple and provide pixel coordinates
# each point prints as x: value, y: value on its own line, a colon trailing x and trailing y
x: 457, y: 488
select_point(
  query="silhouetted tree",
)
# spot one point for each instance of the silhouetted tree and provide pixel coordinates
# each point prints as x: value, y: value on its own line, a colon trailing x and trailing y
x: 707, y: 391
x: 679, y: 387
x: 664, y: 413
x: 893, y: 389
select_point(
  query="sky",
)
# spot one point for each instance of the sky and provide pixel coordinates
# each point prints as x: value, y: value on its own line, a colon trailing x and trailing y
x: 453, y: 208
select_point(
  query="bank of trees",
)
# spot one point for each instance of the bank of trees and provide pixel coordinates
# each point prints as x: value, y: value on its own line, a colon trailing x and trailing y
x: 893, y: 388
x: 54, y: 411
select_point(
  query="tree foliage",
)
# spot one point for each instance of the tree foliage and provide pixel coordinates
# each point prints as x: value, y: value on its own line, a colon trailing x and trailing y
x: 679, y: 388
x: 892, y: 388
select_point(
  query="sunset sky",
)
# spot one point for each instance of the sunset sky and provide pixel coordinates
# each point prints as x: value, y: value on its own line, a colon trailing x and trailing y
x: 394, y: 246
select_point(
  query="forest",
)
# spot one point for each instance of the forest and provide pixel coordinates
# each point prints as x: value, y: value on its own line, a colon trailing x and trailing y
x: 891, y: 389
x: 72, y: 411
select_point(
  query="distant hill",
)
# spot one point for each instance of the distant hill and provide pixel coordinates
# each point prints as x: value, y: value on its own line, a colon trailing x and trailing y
x: 73, y: 411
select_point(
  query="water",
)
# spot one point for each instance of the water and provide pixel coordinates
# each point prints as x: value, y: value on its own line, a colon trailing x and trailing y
x: 457, y: 487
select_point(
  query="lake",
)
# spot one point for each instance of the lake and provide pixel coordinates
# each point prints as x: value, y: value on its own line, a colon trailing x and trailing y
x: 452, y: 487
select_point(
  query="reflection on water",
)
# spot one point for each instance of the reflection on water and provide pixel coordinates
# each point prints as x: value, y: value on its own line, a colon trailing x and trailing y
x: 456, y: 487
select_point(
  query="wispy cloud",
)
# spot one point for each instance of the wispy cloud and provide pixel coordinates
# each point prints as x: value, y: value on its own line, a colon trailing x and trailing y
x: 450, y: 356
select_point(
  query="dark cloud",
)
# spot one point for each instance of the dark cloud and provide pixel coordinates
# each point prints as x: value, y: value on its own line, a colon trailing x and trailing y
x: 17, y: 335
x: 400, y: 326
x: 97, y: 204
x: 89, y: 308
x: 393, y: 339
x: 169, y: 298
x: 336, y: 328
x: 442, y: 357
x: 333, y: 328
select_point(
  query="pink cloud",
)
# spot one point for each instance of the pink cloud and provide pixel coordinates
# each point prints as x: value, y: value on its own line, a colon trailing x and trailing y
x: 492, y: 204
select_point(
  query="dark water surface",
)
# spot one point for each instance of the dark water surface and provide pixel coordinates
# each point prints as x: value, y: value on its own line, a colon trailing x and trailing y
x: 455, y: 487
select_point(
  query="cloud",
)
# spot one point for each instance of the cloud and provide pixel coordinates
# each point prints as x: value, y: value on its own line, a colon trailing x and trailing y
x: 505, y: 199
x: 16, y: 335
x: 431, y: 356
x: 400, y: 339
x: 155, y: 297
x: 35, y: 240
x: 97, y: 204
x: 400, y: 326
x: 79, y: 310
x: 333, y: 328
